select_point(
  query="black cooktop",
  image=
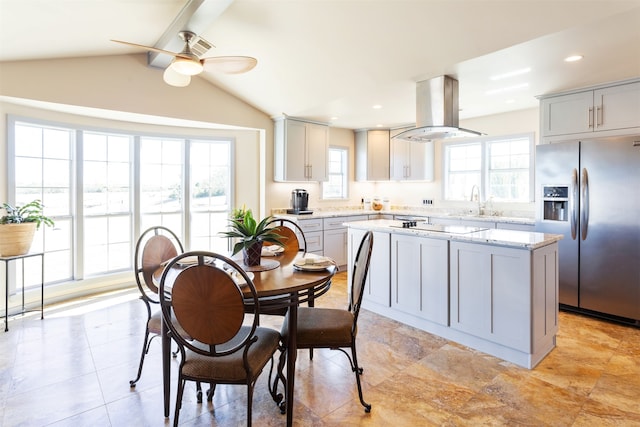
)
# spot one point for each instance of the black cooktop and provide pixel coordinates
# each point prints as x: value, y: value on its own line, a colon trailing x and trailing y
x: 453, y: 229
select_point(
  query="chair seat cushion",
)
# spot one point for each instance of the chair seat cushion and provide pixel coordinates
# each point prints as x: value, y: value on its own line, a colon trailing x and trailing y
x: 231, y: 368
x: 155, y: 325
x: 322, y: 327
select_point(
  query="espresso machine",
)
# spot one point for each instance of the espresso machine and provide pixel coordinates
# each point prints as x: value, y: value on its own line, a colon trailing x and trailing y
x: 299, y: 202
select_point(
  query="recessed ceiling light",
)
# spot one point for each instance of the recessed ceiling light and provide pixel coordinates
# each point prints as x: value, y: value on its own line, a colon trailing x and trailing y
x: 377, y: 107
x: 507, y: 89
x: 511, y: 74
x: 333, y: 118
x: 573, y: 58
x: 509, y: 101
x: 378, y: 126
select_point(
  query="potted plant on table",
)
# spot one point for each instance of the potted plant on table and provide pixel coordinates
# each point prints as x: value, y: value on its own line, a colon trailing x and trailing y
x: 251, y: 235
x: 19, y: 225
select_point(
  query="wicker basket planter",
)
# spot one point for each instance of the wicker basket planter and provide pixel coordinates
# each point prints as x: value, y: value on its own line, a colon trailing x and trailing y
x: 16, y: 239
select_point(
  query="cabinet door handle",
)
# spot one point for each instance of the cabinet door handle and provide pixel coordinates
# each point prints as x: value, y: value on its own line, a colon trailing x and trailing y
x: 590, y: 117
x: 599, y: 115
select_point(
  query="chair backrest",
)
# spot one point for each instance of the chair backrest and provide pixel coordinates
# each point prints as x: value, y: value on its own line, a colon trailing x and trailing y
x: 359, y: 274
x: 207, y: 303
x: 155, y: 246
x: 290, y: 230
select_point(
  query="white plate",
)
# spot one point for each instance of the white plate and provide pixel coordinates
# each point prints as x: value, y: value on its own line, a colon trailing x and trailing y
x: 272, y: 250
x: 191, y: 260
x: 239, y: 279
x: 313, y: 263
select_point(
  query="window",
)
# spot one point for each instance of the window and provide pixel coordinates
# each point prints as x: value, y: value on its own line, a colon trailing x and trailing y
x: 40, y: 160
x: 501, y: 167
x: 210, y: 193
x: 103, y: 188
x: 336, y: 186
x: 106, y: 202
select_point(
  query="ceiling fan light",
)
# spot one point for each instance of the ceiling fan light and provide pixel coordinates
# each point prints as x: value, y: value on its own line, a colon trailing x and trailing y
x: 189, y: 67
x: 173, y: 78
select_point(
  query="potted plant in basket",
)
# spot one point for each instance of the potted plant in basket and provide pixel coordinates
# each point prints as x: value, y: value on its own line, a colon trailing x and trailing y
x: 19, y: 225
x: 251, y: 235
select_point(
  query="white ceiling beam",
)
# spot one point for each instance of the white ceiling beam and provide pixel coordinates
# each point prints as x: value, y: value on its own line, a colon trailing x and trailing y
x: 196, y: 16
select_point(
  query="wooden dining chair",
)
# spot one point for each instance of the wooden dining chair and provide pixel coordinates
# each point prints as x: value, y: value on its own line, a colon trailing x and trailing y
x: 293, y: 236
x: 207, y: 300
x: 334, y: 328
x: 155, y: 246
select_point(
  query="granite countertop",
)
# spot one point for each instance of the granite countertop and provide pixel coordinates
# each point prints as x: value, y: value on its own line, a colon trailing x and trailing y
x: 492, y: 236
x: 412, y: 213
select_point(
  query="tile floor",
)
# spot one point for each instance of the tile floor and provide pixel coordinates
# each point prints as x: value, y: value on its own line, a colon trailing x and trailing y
x: 73, y: 369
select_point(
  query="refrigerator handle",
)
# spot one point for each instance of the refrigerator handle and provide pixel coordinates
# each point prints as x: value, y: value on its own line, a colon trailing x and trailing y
x: 573, y: 208
x: 584, y: 204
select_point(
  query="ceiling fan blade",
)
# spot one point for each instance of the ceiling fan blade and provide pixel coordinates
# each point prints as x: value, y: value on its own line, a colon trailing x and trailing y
x: 153, y: 49
x: 230, y: 64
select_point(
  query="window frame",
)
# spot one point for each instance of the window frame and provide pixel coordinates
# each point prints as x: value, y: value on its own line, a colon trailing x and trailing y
x: 344, y: 153
x: 77, y: 216
x: 484, y: 143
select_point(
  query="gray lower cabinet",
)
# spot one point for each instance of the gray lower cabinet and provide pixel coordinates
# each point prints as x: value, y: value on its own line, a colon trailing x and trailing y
x: 377, y: 287
x: 420, y: 277
x: 335, y: 237
x: 312, y: 229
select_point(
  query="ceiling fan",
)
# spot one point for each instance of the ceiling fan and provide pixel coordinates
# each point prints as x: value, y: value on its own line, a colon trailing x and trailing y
x: 189, y: 61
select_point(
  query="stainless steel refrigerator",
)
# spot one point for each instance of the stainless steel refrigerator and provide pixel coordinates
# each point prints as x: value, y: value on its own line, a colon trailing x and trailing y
x: 589, y: 191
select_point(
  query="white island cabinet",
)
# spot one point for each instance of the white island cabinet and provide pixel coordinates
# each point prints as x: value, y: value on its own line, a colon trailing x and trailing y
x: 493, y: 290
x: 419, y: 284
x: 376, y: 291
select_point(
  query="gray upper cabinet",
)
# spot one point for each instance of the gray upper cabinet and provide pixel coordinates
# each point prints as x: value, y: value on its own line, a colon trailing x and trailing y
x: 300, y: 150
x: 600, y: 109
x: 372, y: 155
x: 411, y: 161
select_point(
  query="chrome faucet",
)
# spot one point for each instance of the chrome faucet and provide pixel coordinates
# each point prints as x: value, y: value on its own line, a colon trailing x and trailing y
x: 475, y: 197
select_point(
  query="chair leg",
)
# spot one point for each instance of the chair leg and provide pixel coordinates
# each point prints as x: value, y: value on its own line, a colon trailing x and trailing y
x: 279, y: 398
x: 358, y: 371
x: 181, y: 383
x: 211, y: 392
x: 145, y: 349
x: 273, y: 387
x: 198, y: 392
x: 249, y: 402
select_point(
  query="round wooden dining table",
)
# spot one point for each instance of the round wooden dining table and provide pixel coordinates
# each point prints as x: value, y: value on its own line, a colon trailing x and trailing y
x: 278, y: 287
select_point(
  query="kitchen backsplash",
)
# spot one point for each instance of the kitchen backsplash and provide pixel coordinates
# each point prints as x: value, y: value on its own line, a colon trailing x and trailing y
x: 426, y: 210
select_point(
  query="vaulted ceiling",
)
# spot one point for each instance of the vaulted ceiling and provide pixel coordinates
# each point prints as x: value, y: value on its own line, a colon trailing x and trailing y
x: 331, y: 61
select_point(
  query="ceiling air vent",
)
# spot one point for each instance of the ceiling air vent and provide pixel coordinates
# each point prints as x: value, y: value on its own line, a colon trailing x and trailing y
x: 200, y: 46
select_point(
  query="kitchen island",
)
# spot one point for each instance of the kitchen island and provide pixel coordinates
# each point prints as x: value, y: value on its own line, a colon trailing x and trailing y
x: 493, y: 290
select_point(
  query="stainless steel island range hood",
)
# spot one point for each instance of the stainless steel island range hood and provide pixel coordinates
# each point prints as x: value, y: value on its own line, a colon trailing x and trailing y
x: 436, y: 112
